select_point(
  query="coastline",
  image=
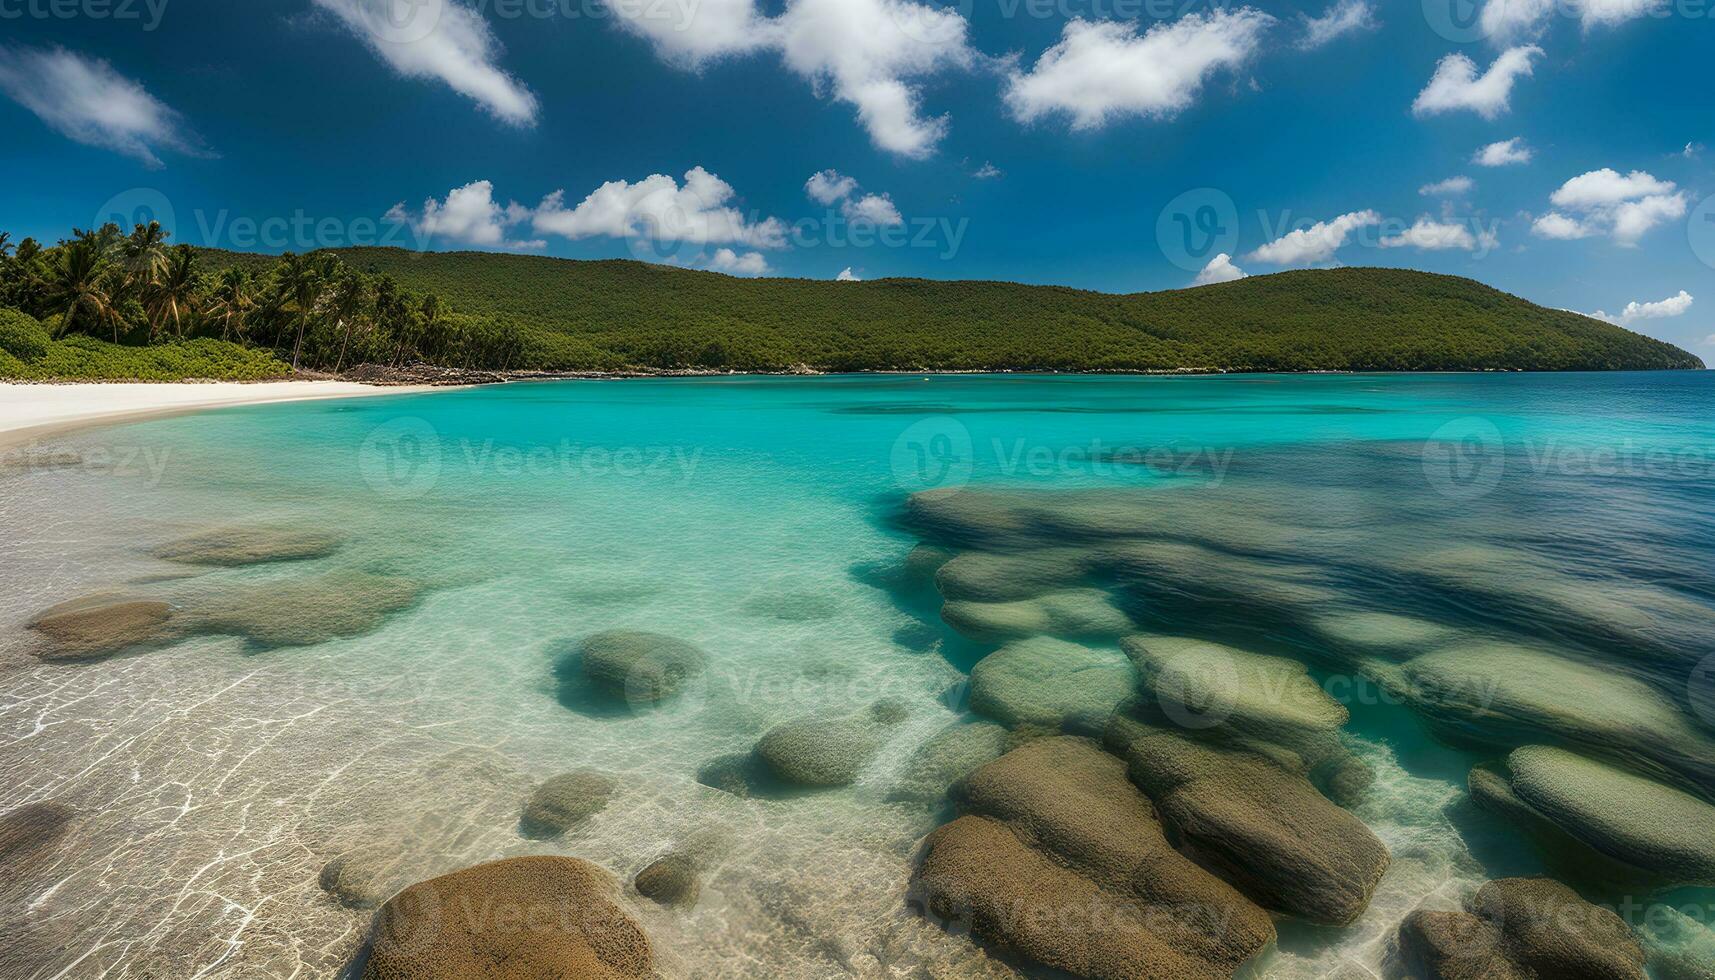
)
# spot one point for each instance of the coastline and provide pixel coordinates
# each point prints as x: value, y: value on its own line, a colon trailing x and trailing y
x: 32, y: 411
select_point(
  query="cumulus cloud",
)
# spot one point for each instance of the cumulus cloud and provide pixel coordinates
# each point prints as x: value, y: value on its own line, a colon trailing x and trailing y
x: 736, y: 264
x: 1427, y: 234
x: 1317, y: 243
x: 1456, y: 85
x: 85, y: 100
x: 700, y: 212
x: 439, y: 39
x: 830, y: 187
x: 847, y: 275
x: 987, y: 171
x: 1451, y: 187
x: 1503, y: 153
x: 468, y: 216
x: 1219, y: 269
x: 1508, y: 20
x: 1100, y: 71
x: 865, y: 53
x: 1622, y: 206
x: 1342, y: 18
x: 1660, y: 309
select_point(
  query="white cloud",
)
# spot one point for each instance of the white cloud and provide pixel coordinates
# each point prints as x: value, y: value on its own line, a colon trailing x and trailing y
x: 85, y: 100
x: 1104, y: 70
x: 1658, y: 310
x: 875, y: 209
x: 1560, y: 227
x: 736, y: 264
x: 1219, y: 269
x: 1506, y: 20
x: 1318, y: 243
x: 440, y: 39
x: 1457, y: 86
x: 1342, y: 18
x: 658, y: 208
x: 1451, y: 187
x: 847, y: 275
x: 1623, y: 206
x: 1428, y: 234
x: 829, y: 187
x: 987, y: 171
x: 469, y: 216
x: 861, y: 52
x: 1607, y: 186
x: 1503, y: 153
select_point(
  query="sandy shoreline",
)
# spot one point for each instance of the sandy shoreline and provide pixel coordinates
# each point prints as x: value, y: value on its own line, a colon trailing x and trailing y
x: 34, y: 411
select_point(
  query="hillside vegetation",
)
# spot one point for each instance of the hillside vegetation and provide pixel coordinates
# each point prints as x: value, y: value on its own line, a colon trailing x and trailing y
x: 614, y: 314
x: 111, y: 304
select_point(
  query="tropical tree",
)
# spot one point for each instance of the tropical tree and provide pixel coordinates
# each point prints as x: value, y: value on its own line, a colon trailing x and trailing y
x: 78, y: 284
x: 300, y: 283
x: 5, y: 244
x: 144, y: 256
x: 174, y: 292
x: 348, y: 304
x: 232, y: 302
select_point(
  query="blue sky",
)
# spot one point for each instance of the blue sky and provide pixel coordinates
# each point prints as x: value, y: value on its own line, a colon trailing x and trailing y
x: 1119, y: 145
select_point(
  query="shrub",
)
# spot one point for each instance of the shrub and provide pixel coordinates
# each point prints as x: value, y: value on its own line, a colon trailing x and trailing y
x: 21, y: 336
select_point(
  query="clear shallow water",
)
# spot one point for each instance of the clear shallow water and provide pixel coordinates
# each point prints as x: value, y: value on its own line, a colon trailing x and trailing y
x: 214, y: 778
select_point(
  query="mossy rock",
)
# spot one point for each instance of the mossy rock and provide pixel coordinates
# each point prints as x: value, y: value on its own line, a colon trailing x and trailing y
x: 670, y: 880
x: 233, y: 546
x: 99, y: 626
x: 565, y: 801
x: 639, y: 667
x: 820, y: 752
x: 516, y: 919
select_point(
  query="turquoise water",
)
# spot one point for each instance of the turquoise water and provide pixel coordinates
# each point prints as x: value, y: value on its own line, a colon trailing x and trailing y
x: 760, y: 519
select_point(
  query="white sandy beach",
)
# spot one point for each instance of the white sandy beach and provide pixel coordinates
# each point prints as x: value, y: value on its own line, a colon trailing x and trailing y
x: 30, y: 411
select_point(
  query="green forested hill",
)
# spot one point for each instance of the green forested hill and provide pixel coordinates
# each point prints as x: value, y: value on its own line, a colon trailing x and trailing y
x: 618, y: 314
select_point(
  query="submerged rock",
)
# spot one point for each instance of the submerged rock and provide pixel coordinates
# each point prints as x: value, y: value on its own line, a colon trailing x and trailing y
x: 793, y: 607
x: 1508, y: 695
x: 946, y: 757
x: 566, y: 800
x: 508, y: 920
x: 1060, y: 858
x: 30, y: 830
x: 1045, y: 681
x: 249, y: 546
x: 1263, y: 828
x: 639, y: 667
x: 100, y: 626
x: 361, y: 879
x: 1071, y: 613
x: 983, y: 576
x: 742, y: 774
x: 670, y: 880
x: 1211, y: 688
x: 1680, y: 947
x: 1628, y: 819
x: 820, y: 752
x: 1520, y: 929
x: 304, y: 612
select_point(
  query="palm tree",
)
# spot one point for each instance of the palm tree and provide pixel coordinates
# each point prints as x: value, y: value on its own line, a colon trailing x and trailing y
x: 78, y: 283
x: 350, y: 297
x: 232, y: 301
x: 144, y: 254
x: 174, y: 291
x: 5, y: 244
x: 430, y: 319
x: 300, y: 282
